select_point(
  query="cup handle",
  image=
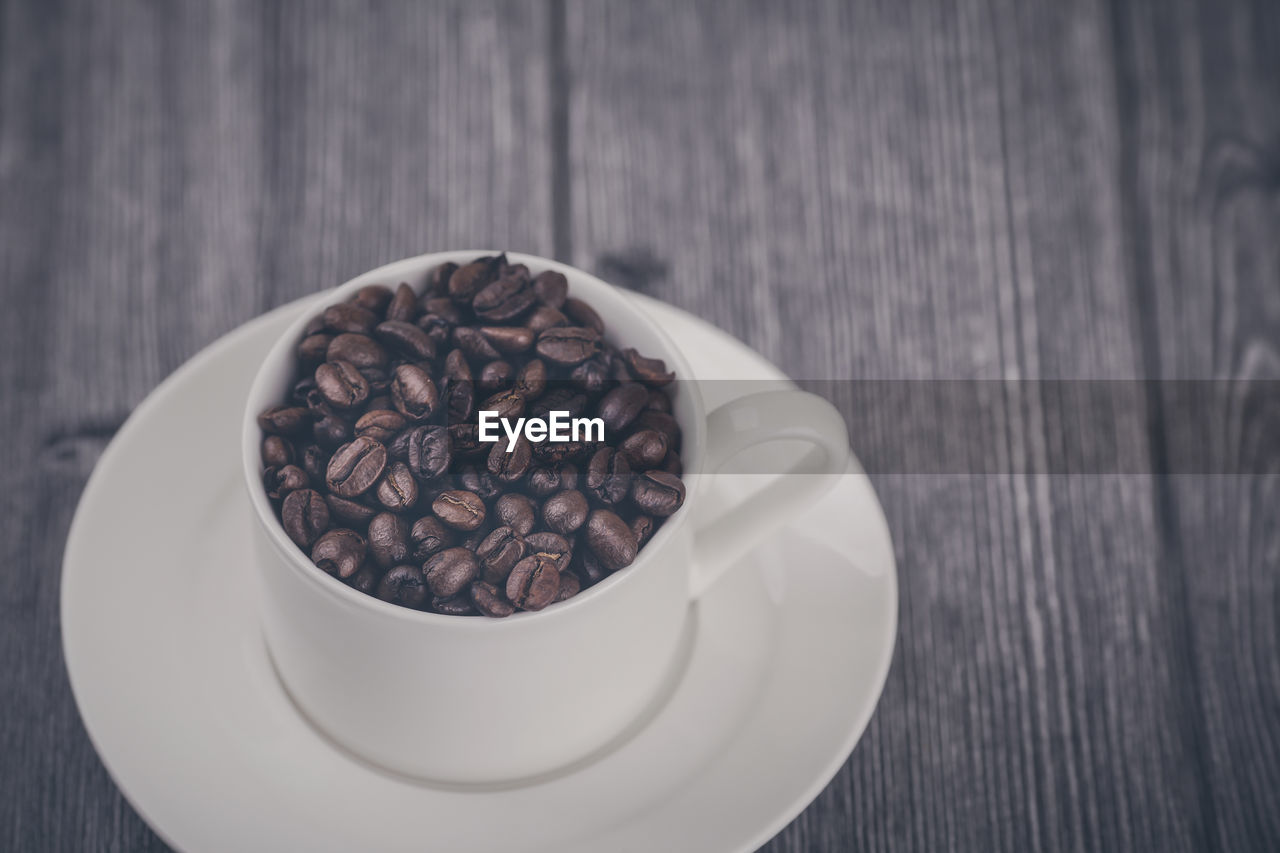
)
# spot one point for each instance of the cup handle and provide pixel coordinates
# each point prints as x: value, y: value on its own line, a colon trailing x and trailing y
x: 742, y: 424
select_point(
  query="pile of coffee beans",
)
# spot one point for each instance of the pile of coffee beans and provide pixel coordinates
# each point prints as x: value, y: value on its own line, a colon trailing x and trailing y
x: 376, y: 466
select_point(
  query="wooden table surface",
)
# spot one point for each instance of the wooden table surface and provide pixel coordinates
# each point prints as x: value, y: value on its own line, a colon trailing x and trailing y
x: 899, y: 189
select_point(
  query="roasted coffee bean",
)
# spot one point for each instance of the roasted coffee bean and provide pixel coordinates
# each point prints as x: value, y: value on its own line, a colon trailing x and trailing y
x: 349, y: 317
x: 609, y: 476
x: 510, y: 466
x: 413, y: 393
x: 456, y: 605
x: 331, y: 430
x: 388, y: 539
x: 373, y: 297
x: 592, y: 376
x: 533, y: 583
x: 531, y: 381
x: 438, y: 281
x: 351, y: 513
x: 315, y: 461
x: 339, y: 552
x: 672, y: 464
x: 644, y: 449
x: 341, y: 384
x: 406, y: 339
x: 382, y: 425
x: 583, y: 314
x: 438, y: 329
x: 397, y: 490
x: 303, y: 388
x: 658, y: 401
x: 495, y: 376
x: 508, y: 339
x: 551, y: 288
x: 379, y: 382
x: 365, y: 580
x: 504, y: 300
x: 553, y: 546
x: 545, y: 318
x: 277, y: 452
x: 356, y: 467
x: 587, y: 566
x: 568, y: 344
x: 562, y: 399
x: 314, y: 326
x: 480, y: 482
x: 403, y: 307
x: 621, y: 405
x: 659, y: 422
x: 650, y: 371
x: 546, y: 480
x: 403, y: 584
x: 464, y: 441
x: 643, y: 527
x: 281, y: 481
x: 658, y: 493
x: 428, y: 451
x: 474, y: 344
x: 450, y: 571
x: 515, y: 511
x: 556, y: 453
x: 507, y: 404
x: 361, y: 350
x: 305, y: 516
x: 460, y: 401
x: 611, y: 540
x: 489, y: 601
x: 569, y: 586
x: 443, y: 308
x: 312, y: 350
x: 284, y: 420
x: 456, y: 368
x: 460, y: 509
x: 469, y: 279
x: 428, y: 536
x: 498, y: 553
x: 564, y: 512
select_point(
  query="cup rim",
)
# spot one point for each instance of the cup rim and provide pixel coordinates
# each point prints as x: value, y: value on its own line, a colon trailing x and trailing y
x: 693, y: 425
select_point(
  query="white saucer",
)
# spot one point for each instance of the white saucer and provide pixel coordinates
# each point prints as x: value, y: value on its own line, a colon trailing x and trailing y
x: 173, y: 681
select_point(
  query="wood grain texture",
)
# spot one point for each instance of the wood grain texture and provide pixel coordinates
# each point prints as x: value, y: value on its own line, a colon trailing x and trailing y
x: 985, y: 189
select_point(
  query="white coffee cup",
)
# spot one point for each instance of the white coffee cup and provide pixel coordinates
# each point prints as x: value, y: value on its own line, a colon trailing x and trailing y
x: 482, y: 700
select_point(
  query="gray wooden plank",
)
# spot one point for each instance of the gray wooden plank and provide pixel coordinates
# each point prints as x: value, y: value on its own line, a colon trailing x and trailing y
x: 168, y: 171
x: 1203, y: 170
x: 915, y: 190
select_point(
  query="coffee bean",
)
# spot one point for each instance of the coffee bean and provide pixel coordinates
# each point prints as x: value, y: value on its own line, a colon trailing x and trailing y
x: 611, y: 540
x: 495, y: 376
x: 644, y: 449
x: 545, y: 318
x: 659, y: 422
x: 469, y: 279
x: 356, y: 467
x: 464, y: 441
x: 569, y: 586
x: 552, y: 546
x: 460, y: 509
x: 481, y: 483
x: 388, y: 539
x: 305, y: 516
x: 588, y: 567
x: 515, y: 511
x: 474, y: 344
x: 428, y: 536
x: 592, y: 376
x: 339, y: 552
x: 457, y: 605
x: 284, y: 420
x: 531, y: 381
x: 489, y: 601
x: 651, y: 371
x: 460, y: 401
x: 450, y: 571
x: 568, y: 344
x: 658, y: 493
x: 621, y: 406
x: 438, y: 281
x: 403, y: 584
x: 365, y: 580
x: 397, y: 490
x: 504, y: 300
x: 551, y: 288
x: 564, y: 512
x: 507, y: 339
x: 428, y: 451
x: 341, y: 384
x: 609, y: 476
x: 406, y: 339
x: 361, y: 350
x: 533, y: 583
x: 510, y: 466
x: 658, y: 401
x: 413, y: 392
x: 403, y: 307
x: 281, y: 481
x: 350, y: 513
x: 498, y: 553
x: 373, y: 297
x: 277, y: 452
x: 312, y: 350
x: 672, y: 464
x: 314, y: 460
x: 349, y: 317
x: 438, y: 328
x: 382, y: 425
x: 643, y: 527
x: 583, y: 314
x: 331, y: 430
